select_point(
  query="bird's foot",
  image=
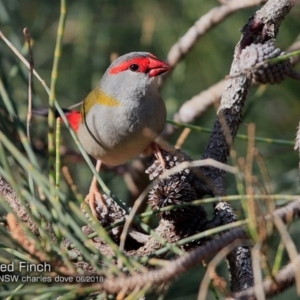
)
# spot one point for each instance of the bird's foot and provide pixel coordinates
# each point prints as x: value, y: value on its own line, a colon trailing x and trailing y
x: 156, y: 151
x: 96, y: 200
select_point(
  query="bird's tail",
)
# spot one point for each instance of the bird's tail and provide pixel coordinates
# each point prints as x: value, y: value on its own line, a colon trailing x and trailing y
x: 73, y: 116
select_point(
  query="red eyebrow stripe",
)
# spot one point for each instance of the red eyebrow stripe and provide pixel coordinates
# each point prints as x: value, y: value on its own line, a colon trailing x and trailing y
x: 143, y: 62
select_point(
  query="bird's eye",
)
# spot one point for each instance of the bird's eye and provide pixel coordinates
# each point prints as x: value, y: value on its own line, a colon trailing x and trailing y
x: 134, y: 67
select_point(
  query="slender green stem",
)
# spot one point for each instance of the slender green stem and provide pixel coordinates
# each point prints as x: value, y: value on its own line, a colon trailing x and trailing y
x: 196, y: 237
x: 20, y: 129
x: 30, y: 97
x: 278, y: 258
x: 19, y: 287
x: 243, y: 137
x: 204, y: 201
x: 52, y: 96
x: 214, y: 291
x: 210, y: 232
x: 57, y: 154
x: 285, y: 56
x: 201, y: 202
x: 30, y: 81
x: 36, y: 174
x: 41, y: 290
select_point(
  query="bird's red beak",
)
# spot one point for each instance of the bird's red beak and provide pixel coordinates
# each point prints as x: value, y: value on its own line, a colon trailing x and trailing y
x: 157, y: 67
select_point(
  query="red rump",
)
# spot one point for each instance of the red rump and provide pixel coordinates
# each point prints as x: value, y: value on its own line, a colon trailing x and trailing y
x: 74, y: 118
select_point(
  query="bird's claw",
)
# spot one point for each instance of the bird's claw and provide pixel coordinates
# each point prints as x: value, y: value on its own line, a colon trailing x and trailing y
x: 95, y: 200
x: 156, y: 151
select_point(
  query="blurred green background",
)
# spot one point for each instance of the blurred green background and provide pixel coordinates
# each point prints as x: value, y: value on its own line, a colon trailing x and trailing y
x: 97, y: 29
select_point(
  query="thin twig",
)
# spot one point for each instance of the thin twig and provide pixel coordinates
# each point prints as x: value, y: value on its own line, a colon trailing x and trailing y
x: 183, y: 136
x: 131, y: 215
x: 290, y: 248
x: 257, y: 272
x: 211, y: 269
x: 198, y: 163
x: 72, y: 185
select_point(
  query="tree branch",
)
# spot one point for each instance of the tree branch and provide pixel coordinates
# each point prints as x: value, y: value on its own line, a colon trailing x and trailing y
x: 262, y: 26
x: 203, y: 25
x: 190, y: 260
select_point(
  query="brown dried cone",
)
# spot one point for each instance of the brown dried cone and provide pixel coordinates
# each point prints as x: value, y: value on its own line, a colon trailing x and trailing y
x: 173, y: 191
x: 179, y: 188
x: 253, y: 60
x: 171, y: 160
x: 108, y: 214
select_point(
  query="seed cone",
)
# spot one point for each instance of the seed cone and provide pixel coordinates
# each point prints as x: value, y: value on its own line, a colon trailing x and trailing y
x: 253, y: 60
x: 180, y: 188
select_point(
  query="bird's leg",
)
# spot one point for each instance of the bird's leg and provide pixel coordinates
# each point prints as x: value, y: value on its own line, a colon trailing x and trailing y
x: 157, y: 153
x: 94, y: 193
